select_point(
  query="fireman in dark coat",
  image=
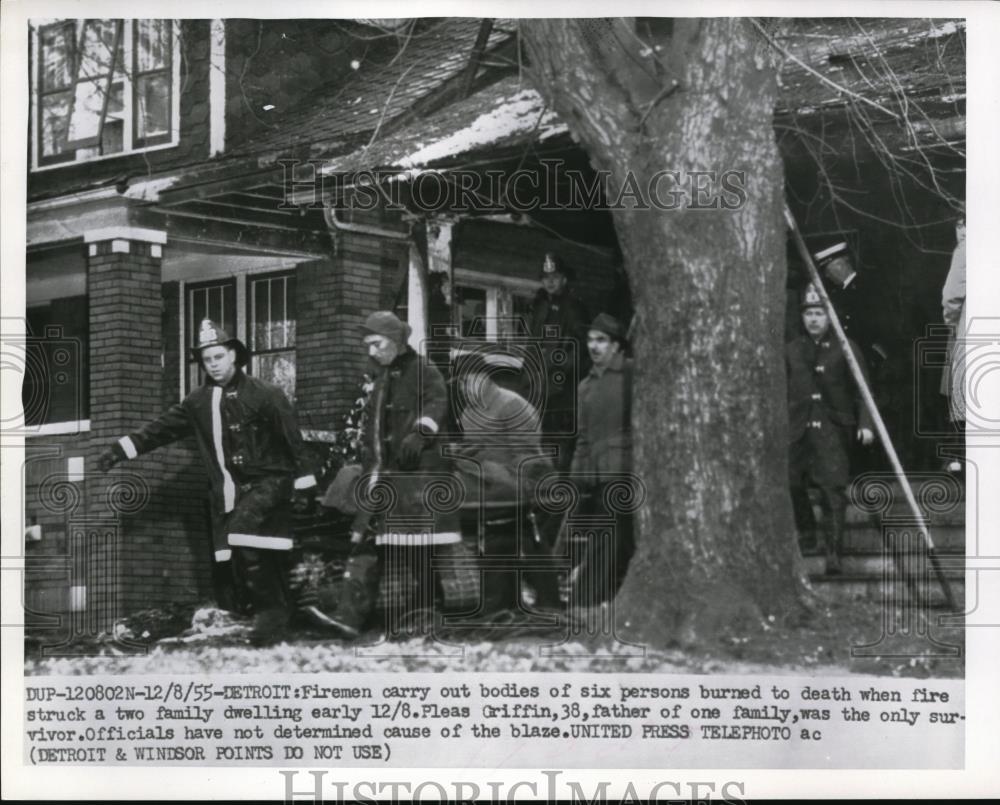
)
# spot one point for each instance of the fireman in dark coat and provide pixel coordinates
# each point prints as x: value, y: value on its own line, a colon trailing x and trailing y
x: 251, y: 446
x: 825, y: 416
x: 559, y: 319
x: 409, y: 496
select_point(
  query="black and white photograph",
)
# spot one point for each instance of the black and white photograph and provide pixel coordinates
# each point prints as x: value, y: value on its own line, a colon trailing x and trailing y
x: 564, y: 393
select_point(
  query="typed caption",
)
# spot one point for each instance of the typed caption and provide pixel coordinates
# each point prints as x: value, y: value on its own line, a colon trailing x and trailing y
x: 499, y: 720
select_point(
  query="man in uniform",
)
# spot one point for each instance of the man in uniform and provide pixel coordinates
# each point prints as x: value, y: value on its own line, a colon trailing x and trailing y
x: 557, y: 317
x: 251, y: 446
x: 825, y: 415
x: 603, y: 454
x: 860, y: 307
x: 406, y: 412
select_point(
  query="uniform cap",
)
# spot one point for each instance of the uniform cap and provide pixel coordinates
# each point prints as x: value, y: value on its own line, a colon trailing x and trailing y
x: 211, y: 334
x: 828, y: 254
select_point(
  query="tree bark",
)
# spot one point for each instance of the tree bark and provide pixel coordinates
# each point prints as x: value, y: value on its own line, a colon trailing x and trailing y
x: 716, y: 535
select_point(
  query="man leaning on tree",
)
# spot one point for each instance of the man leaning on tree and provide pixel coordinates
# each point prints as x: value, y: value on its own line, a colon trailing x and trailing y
x: 249, y: 441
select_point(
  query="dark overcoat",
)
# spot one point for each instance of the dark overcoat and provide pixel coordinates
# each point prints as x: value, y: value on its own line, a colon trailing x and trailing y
x: 824, y: 410
x: 251, y: 447
x: 413, y: 506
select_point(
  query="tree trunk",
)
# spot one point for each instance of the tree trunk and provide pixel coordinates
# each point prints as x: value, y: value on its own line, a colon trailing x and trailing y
x: 716, y: 536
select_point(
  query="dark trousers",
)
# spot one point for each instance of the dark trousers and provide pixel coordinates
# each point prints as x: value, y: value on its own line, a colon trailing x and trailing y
x: 255, y: 579
x: 252, y: 581
x: 606, y: 552
x: 833, y: 503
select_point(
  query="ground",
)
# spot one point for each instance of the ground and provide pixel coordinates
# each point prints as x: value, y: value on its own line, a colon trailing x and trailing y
x: 820, y: 647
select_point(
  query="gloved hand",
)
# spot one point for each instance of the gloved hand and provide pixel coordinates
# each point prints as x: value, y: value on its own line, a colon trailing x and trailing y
x: 304, y: 501
x: 107, y: 460
x: 410, y: 449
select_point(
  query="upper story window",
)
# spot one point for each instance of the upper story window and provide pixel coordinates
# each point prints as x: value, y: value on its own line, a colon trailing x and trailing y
x: 103, y: 88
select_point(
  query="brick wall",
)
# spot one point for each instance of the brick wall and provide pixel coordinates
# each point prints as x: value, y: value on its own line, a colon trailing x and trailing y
x: 334, y: 296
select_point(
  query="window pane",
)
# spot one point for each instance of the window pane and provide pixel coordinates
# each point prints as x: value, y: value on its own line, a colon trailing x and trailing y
x: 277, y: 368
x: 260, y: 332
x: 57, y: 61
x: 273, y: 313
x: 55, y: 122
x: 153, y: 98
x: 471, y: 311
x: 88, y: 109
x: 93, y: 80
x: 116, y: 103
x: 113, y: 137
x: 279, y: 320
x: 96, y: 53
x: 152, y: 44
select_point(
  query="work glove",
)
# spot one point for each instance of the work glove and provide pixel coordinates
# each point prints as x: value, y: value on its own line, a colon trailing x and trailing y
x: 410, y: 449
x: 865, y: 436
x: 107, y: 460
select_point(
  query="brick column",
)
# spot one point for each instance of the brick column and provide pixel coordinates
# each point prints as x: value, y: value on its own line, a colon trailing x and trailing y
x: 123, y: 285
x: 154, y: 501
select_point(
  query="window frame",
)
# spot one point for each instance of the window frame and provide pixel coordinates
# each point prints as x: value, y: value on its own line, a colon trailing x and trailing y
x: 131, y: 142
x: 496, y: 287
x: 249, y: 313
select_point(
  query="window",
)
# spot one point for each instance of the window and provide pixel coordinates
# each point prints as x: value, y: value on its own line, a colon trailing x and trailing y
x: 265, y: 323
x: 471, y: 310
x: 271, y: 316
x: 54, y: 388
x: 490, y: 310
x: 104, y: 87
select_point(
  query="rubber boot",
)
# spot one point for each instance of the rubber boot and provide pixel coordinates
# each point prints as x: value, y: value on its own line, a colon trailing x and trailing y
x: 357, y: 595
x: 262, y: 572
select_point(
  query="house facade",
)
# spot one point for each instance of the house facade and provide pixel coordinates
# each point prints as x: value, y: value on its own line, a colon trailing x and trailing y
x: 182, y: 169
x: 157, y: 198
